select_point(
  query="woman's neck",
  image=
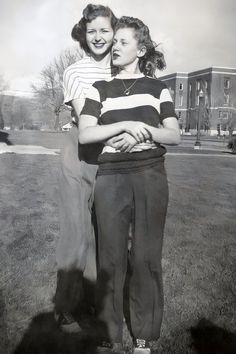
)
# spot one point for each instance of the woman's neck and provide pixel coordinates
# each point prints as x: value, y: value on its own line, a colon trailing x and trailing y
x: 130, y: 70
x: 103, y: 61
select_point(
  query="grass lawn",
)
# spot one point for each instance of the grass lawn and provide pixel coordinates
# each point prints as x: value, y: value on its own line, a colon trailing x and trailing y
x: 198, y: 256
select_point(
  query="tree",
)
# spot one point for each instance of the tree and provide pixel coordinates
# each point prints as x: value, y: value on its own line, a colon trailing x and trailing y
x: 206, y: 118
x: 3, y: 86
x: 49, y: 91
x: 23, y: 113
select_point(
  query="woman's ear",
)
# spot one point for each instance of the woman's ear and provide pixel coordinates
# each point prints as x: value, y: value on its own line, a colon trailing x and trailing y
x: 141, y: 52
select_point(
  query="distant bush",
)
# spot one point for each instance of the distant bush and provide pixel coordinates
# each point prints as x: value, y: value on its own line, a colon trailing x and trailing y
x: 232, y: 144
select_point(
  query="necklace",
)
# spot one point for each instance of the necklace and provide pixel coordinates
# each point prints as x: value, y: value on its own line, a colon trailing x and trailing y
x: 127, y: 89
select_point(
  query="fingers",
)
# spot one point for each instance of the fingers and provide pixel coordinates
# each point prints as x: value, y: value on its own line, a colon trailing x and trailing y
x: 137, y: 134
x: 126, y: 147
x: 114, y: 140
x: 149, y: 135
x: 140, y: 134
x: 123, y: 145
x: 118, y: 145
x: 138, y: 130
x: 126, y: 143
x: 117, y: 138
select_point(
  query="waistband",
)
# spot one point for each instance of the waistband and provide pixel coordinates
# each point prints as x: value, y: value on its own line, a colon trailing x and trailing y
x: 129, y: 166
x: 131, y: 156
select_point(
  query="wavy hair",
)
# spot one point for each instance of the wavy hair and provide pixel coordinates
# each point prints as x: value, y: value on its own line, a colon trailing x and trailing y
x: 90, y: 13
x: 153, y: 58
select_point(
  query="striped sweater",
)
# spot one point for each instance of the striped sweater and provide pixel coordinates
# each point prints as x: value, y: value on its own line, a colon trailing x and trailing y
x: 79, y: 77
x: 149, y: 101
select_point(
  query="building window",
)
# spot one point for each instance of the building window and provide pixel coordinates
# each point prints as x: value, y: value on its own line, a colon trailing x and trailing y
x: 220, y: 114
x: 198, y: 84
x: 226, y: 98
x: 224, y: 126
x: 197, y: 100
x: 200, y: 95
x: 226, y: 115
x: 181, y: 87
x: 180, y: 120
x: 206, y: 85
x: 180, y: 100
x: 226, y: 83
x: 172, y: 93
x: 190, y: 95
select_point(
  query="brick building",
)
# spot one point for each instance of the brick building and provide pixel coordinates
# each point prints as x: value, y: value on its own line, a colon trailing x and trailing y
x: 206, y: 97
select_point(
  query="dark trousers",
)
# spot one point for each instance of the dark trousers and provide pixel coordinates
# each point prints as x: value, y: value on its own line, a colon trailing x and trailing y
x: 117, y: 196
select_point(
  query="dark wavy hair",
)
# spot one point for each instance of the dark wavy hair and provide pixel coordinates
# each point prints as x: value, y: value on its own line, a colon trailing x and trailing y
x: 153, y: 58
x: 90, y: 13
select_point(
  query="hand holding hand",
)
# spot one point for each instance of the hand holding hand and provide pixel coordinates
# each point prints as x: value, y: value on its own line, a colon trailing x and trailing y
x: 138, y: 130
x: 123, y: 142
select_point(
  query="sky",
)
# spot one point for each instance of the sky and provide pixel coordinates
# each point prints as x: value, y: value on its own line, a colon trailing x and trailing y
x: 192, y: 34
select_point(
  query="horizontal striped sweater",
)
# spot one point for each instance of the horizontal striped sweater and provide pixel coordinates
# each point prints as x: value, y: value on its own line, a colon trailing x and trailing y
x: 78, y: 78
x: 148, y: 101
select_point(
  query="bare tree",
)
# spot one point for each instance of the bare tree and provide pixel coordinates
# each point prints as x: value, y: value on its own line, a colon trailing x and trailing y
x: 3, y: 86
x: 49, y: 91
x: 23, y: 111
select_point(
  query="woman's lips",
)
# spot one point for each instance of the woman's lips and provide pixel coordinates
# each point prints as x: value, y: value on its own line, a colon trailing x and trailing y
x: 115, y: 56
x: 98, y: 45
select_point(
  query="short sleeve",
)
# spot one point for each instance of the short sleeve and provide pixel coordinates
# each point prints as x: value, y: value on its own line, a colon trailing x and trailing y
x: 167, y: 108
x: 92, y: 105
x: 71, y: 85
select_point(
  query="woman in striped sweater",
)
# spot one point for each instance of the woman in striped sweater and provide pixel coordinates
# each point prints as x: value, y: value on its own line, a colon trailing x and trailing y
x: 76, y: 251
x: 131, y: 183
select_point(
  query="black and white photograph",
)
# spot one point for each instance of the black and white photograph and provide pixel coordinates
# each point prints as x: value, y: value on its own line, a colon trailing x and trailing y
x: 117, y: 177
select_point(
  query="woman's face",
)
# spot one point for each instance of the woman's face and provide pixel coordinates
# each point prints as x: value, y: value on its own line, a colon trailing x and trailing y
x: 99, y: 36
x: 125, y: 47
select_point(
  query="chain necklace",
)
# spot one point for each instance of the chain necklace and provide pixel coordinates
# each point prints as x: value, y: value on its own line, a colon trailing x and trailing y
x: 127, y: 89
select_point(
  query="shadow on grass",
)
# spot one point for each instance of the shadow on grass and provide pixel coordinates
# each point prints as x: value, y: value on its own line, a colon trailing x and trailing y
x: 229, y: 152
x: 43, y: 336
x: 211, y: 339
x: 4, y: 138
x: 3, y: 326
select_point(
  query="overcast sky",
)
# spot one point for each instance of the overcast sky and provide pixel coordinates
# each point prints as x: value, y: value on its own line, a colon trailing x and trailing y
x: 194, y: 34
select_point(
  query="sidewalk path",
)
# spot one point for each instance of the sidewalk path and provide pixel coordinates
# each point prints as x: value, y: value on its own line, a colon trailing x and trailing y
x: 219, y: 145
x: 182, y: 149
x: 206, y: 154
x: 27, y: 149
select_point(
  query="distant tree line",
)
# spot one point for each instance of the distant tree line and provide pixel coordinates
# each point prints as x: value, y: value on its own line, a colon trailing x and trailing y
x: 3, y: 86
x: 49, y: 90
x: 45, y: 108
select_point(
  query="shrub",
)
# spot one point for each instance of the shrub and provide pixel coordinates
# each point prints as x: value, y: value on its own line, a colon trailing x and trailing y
x: 232, y: 144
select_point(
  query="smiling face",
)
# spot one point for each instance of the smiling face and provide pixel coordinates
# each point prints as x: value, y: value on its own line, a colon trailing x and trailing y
x: 125, y: 50
x: 99, y: 36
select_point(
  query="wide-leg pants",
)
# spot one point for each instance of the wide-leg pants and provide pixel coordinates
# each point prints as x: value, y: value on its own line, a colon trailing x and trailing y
x: 76, y: 250
x: 145, y: 194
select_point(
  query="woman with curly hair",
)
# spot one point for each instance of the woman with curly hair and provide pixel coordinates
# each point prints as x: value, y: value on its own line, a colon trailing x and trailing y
x: 131, y: 185
x: 76, y: 251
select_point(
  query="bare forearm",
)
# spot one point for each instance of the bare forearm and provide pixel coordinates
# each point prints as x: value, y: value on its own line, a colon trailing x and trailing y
x: 99, y: 133
x: 169, y: 136
x: 91, y: 132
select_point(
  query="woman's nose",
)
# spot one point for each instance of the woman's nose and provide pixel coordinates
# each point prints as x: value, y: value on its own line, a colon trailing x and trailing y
x: 97, y: 37
x: 115, y: 46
